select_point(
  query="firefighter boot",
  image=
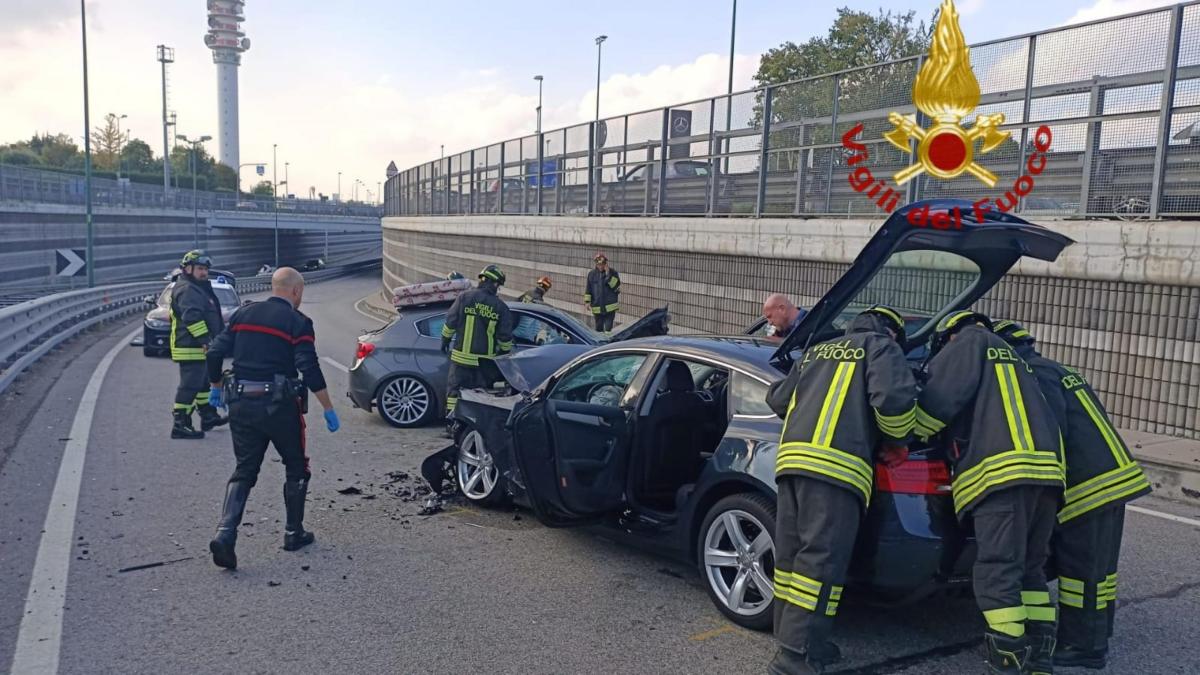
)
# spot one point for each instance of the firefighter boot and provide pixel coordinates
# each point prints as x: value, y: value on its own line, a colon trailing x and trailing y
x: 1006, y: 655
x: 222, y: 545
x: 210, y: 418
x: 1042, y: 640
x: 788, y: 662
x: 1067, y: 656
x: 183, y: 426
x: 294, y: 535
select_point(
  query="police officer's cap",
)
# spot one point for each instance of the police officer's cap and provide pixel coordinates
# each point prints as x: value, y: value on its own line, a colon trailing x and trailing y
x: 196, y: 257
x: 1013, y: 332
x: 492, y: 273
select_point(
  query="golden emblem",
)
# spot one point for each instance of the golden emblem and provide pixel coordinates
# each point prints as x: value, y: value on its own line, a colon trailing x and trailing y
x: 946, y: 90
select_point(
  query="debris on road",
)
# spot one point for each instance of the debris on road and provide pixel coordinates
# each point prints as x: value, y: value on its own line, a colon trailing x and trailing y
x: 147, y: 566
x: 350, y: 491
x: 273, y: 583
x: 432, y: 505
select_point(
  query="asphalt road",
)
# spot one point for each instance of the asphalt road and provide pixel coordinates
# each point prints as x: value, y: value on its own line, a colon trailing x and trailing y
x: 386, y: 590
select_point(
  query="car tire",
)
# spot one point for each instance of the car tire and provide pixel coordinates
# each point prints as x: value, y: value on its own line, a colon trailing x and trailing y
x: 476, y: 474
x: 406, y: 402
x: 722, y: 568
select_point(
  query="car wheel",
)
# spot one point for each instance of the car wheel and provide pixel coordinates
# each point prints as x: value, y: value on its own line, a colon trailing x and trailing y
x: 736, y: 556
x: 478, y: 477
x: 406, y: 401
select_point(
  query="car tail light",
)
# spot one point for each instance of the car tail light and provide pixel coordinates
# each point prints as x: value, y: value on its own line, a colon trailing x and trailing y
x: 914, y: 477
x: 364, y: 350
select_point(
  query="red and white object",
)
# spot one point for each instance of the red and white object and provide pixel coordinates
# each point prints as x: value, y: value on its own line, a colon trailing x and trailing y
x: 429, y: 292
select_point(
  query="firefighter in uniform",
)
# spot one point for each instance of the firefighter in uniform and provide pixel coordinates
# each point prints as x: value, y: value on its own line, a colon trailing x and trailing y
x: 271, y: 342
x: 538, y: 293
x: 478, y: 327
x: 1005, y: 450
x: 601, y: 295
x: 195, y: 322
x: 842, y: 400
x: 1102, y: 477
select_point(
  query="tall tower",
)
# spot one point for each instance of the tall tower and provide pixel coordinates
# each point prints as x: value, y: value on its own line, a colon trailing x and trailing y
x: 227, y: 42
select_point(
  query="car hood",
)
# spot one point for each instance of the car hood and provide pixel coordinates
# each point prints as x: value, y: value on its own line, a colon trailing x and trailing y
x: 158, y: 314
x: 656, y: 322
x: 526, y: 369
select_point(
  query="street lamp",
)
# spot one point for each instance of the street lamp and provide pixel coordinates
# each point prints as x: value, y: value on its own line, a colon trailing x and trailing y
x: 285, y: 178
x: 120, y: 160
x: 87, y: 153
x: 599, y: 41
x: 195, y: 203
x: 539, y: 79
x: 275, y: 195
x: 729, y: 99
x: 339, y: 193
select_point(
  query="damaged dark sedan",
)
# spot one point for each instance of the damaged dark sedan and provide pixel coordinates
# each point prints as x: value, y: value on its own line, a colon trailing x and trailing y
x: 668, y: 442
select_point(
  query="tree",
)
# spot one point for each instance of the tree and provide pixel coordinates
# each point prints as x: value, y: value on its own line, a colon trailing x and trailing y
x: 137, y: 157
x: 58, y: 150
x: 224, y: 178
x: 107, y: 142
x: 17, y: 155
x: 263, y: 188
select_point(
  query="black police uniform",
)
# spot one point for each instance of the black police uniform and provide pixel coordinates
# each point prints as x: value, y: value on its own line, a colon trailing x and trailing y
x: 837, y: 404
x: 1102, y: 477
x: 270, y: 343
x: 1008, y: 476
x: 479, y: 326
x: 195, y: 322
x: 603, y: 293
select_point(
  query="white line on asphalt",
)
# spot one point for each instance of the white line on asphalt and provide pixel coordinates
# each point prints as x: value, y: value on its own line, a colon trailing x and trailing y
x: 40, y: 637
x: 335, y: 364
x: 1165, y: 516
x: 365, y: 313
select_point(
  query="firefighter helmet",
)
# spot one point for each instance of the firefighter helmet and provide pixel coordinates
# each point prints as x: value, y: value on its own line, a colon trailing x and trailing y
x: 893, y: 320
x: 954, y: 322
x: 492, y: 273
x: 1013, y: 332
x: 196, y: 257
x: 544, y: 282
x: 600, y: 257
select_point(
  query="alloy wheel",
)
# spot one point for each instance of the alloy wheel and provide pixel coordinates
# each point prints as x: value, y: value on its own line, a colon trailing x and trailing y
x: 739, y: 562
x: 477, y: 473
x: 405, y: 400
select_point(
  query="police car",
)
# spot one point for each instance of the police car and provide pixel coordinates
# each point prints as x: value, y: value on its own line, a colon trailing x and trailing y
x: 156, y: 327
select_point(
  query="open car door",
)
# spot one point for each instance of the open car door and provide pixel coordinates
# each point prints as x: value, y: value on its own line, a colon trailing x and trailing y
x: 572, y: 441
x: 656, y: 322
x: 930, y: 258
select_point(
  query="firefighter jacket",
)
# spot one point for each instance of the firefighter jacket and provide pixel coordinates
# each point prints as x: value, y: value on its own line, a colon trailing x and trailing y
x: 195, y: 318
x: 536, y: 294
x: 1003, y: 431
x: 839, y: 401
x: 266, y: 339
x: 603, y: 291
x: 479, y: 324
x: 1100, y: 469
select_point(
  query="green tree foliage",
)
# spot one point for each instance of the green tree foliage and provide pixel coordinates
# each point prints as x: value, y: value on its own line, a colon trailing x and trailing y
x: 137, y: 157
x: 262, y: 188
x: 224, y: 178
x: 107, y: 141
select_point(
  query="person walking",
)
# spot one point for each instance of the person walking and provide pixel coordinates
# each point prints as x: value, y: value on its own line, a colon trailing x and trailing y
x: 195, y: 322
x: 602, y: 293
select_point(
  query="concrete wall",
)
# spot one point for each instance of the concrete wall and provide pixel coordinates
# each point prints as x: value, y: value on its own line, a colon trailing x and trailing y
x: 1123, y: 303
x: 141, y: 243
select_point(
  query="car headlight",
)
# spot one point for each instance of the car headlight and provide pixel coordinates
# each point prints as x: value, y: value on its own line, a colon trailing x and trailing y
x: 157, y: 324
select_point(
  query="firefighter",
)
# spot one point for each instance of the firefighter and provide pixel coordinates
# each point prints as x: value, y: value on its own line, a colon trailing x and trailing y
x: 1004, y: 447
x: 843, y: 399
x: 195, y: 322
x: 601, y: 295
x: 1102, y: 477
x: 478, y: 327
x: 538, y: 293
x: 271, y: 342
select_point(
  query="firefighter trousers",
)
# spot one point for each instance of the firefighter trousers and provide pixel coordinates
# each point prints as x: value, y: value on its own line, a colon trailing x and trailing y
x: 468, y: 377
x: 256, y: 422
x: 1012, y: 532
x: 1086, y: 552
x: 193, y: 386
x: 816, y: 525
x: 604, y: 321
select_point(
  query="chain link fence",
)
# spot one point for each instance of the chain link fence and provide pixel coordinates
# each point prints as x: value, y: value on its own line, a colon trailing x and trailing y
x: 1121, y: 96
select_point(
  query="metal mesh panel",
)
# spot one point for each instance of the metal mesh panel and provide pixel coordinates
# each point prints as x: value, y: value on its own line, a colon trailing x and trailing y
x: 1102, y: 50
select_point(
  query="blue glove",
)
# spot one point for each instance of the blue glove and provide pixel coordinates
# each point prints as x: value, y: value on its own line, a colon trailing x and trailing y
x: 331, y: 420
x: 214, y: 397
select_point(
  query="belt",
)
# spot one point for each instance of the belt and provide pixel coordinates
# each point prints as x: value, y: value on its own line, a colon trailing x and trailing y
x: 255, y: 389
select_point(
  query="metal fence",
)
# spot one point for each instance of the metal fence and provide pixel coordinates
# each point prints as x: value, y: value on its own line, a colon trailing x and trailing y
x: 24, y: 184
x: 1121, y: 97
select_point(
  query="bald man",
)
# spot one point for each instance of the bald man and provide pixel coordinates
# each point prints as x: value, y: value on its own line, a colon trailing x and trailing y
x: 273, y: 345
x: 782, y: 314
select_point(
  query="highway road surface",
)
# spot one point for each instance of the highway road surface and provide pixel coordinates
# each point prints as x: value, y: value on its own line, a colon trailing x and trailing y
x: 116, y: 518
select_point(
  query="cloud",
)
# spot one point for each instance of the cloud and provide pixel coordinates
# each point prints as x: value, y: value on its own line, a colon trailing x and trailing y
x: 37, y: 15
x: 969, y: 7
x: 1103, y: 9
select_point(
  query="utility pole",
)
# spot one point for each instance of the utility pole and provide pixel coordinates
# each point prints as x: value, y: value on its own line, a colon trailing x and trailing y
x: 539, y: 79
x: 165, y: 55
x: 286, y: 182
x: 729, y: 100
x: 599, y: 41
x: 87, y: 156
x: 339, y: 195
x: 275, y: 195
x: 195, y: 201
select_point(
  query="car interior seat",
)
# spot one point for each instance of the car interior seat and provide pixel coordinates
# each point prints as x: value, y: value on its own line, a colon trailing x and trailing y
x: 672, y: 450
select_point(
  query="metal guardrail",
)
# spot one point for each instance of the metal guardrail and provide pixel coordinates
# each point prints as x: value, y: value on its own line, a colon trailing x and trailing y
x: 29, y: 330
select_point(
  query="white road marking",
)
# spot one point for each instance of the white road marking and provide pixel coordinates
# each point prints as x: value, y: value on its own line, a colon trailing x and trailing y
x: 40, y: 637
x: 335, y: 364
x: 365, y: 313
x: 1164, y: 516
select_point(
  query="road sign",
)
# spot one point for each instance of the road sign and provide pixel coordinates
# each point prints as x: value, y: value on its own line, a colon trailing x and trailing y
x: 260, y: 169
x: 69, y: 262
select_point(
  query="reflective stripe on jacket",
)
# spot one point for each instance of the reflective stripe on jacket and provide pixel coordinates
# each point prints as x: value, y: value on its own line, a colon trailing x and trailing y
x: 480, y: 325
x: 195, y: 318
x: 603, y: 291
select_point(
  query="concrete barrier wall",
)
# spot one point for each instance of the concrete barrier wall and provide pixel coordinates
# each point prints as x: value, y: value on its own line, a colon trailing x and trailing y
x: 1123, y: 304
x: 134, y: 244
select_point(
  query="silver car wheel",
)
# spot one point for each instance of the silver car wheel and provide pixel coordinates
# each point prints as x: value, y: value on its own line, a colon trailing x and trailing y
x: 739, y: 561
x: 405, y: 400
x: 477, y: 473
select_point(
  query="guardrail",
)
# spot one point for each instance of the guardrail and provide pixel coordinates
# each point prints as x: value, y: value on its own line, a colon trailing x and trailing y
x: 29, y: 330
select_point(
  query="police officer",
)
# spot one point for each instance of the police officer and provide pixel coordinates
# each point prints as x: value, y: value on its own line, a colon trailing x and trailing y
x: 601, y: 295
x: 195, y: 322
x: 478, y: 327
x: 1004, y: 447
x: 537, y: 293
x: 269, y: 342
x: 838, y: 403
x: 1102, y: 477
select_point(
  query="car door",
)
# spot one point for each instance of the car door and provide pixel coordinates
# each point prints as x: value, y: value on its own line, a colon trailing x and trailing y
x: 572, y: 440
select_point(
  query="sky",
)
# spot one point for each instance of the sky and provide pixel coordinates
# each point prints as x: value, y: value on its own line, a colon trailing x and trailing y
x: 350, y: 85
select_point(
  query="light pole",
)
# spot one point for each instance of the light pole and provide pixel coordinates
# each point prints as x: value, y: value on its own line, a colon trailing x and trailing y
x: 599, y: 41
x: 539, y: 79
x: 87, y: 155
x: 119, y: 143
x: 195, y: 203
x: 285, y: 178
x: 339, y: 186
x: 378, y: 192
x: 275, y: 195
x: 729, y: 99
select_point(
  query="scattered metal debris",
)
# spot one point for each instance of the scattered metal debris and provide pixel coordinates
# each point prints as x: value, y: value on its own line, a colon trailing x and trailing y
x: 147, y: 566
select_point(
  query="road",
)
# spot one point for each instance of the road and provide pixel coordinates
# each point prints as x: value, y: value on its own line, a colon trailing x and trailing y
x: 386, y: 590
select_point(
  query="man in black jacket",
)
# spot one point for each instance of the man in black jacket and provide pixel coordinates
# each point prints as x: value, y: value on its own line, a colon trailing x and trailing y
x: 478, y: 327
x: 271, y: 343
x: 838, y: 403
x: 195, y: 322
x: 1004, y: 445
x: 1102, y: 477
x: 602, y: 294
